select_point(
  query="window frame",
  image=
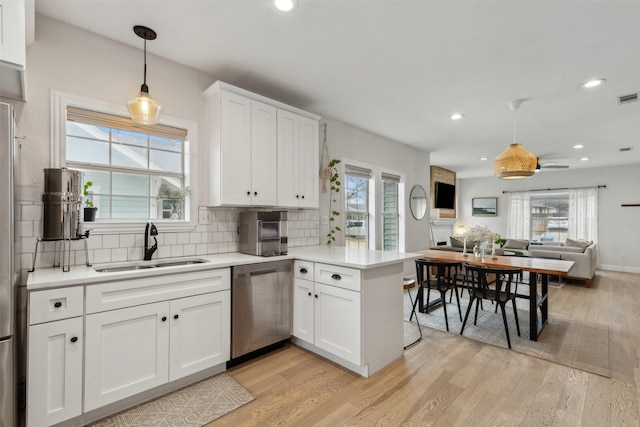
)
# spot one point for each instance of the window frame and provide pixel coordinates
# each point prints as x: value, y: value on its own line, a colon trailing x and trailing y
x: 398, y: 180
x: 60, y: 102
x: 375, y: 203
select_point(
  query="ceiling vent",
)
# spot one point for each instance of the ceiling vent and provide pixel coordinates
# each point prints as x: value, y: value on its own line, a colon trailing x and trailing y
x: 624, y: 99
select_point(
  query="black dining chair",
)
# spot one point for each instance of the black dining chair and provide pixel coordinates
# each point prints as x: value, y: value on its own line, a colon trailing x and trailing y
x: 441, y: 277
x: 496, y: 285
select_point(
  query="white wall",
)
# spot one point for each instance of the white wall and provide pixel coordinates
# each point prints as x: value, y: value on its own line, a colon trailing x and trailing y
x: 345, y: 141
x: 619, y: 227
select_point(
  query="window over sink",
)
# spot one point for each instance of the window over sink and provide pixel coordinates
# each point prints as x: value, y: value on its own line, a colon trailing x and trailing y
x: 138, y: 173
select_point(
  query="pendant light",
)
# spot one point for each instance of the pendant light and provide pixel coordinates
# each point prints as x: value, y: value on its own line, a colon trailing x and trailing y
x: 142, y: 108
x: 515, y: 162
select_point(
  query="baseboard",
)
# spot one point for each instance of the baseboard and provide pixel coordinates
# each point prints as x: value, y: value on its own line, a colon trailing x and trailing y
x: 620, y: 268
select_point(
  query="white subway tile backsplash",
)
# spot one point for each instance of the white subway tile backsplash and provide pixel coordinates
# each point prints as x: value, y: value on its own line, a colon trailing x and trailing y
x: 32, y: 212
x: 216, y: 233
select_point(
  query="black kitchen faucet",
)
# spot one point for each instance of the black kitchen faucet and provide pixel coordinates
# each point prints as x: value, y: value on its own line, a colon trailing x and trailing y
x: 150, y: 230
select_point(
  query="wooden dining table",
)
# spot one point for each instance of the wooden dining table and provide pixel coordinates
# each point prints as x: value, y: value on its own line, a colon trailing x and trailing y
x: 535, y: 266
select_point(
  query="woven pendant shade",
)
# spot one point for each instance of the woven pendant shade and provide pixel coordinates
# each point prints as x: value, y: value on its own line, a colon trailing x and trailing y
x: 515, y: 163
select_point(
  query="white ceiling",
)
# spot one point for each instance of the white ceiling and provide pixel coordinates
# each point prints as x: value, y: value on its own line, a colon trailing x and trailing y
x: 399, y: 68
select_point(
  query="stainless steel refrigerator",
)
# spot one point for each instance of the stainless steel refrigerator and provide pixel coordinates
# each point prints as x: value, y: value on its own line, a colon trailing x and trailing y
x: 9, y: 271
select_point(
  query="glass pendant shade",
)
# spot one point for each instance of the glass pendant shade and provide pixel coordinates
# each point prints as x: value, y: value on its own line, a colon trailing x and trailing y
x: 143, y: 109
x: 515, y: 163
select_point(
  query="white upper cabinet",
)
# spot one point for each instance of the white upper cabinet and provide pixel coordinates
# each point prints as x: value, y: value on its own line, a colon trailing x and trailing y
x: 298, y: 161
x: 246, y: 156
x: 12, y: 48
x: 242, y: 151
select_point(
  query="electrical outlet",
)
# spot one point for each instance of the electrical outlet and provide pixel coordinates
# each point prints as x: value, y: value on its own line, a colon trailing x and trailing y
x: 623, y: 257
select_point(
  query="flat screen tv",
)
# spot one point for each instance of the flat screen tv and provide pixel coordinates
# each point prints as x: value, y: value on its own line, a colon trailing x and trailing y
x: 445, y: 196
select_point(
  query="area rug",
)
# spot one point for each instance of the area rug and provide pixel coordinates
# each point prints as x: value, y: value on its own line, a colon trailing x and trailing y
x: 580, y: 345
x: 192, y: 406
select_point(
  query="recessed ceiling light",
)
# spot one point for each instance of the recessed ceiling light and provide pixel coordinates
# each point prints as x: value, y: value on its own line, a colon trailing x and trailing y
x: 578, y: 146
x: 457, y: 116
x: 483, y: 158
x: 285, y: 5
x: 584, y: 159
x: 592, y: 83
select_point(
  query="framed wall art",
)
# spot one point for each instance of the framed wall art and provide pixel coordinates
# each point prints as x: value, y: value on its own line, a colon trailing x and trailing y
x: 484, y: 206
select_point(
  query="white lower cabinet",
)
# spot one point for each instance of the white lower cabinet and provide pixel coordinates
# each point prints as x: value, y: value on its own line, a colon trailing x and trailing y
x: 54, y: 388
x: 134, y: 349
x: 327, y: 316
x: 337, y: 322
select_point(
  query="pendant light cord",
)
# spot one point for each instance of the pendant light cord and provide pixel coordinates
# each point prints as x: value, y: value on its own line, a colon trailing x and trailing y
x: 145, y: 63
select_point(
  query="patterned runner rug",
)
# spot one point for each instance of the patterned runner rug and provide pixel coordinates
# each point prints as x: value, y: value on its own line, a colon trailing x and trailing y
x: 192, y: 406
x: 580, y: 345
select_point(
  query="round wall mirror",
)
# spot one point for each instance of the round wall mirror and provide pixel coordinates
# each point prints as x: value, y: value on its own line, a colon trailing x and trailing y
x: 418, y: 202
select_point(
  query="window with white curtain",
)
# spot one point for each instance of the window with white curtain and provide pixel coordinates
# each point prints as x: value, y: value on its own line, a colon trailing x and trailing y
x: 553, y: 216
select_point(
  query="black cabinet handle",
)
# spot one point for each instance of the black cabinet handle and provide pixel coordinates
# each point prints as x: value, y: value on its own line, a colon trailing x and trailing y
x: 297, y: 196
x: 309, y: 293
x: 316, y: 295
x: 303, y: 196
x: 255, y: 193
x: 57, y: 304
x: 303, y: 271
x: 164, y: 318
x: 248, y: 193
x: 74, y: 339
x: 175, y: 316
x: 336, y: 277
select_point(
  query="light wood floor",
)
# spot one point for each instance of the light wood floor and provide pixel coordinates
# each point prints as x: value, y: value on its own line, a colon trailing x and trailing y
x: 453, y: 381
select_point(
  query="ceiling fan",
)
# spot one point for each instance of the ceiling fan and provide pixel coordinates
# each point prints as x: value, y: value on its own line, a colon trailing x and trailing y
x: 541, y: 164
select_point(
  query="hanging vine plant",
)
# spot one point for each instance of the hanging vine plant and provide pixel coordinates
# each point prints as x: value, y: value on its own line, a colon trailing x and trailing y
x: 334, y: 179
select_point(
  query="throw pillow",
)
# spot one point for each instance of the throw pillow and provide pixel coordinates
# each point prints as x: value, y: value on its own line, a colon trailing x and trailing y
x: 456, y: 242
x: 515, y: 244
x: 582, y: 244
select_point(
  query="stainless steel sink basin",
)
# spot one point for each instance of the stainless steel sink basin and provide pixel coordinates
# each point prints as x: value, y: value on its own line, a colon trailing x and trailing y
x: 143, y: 265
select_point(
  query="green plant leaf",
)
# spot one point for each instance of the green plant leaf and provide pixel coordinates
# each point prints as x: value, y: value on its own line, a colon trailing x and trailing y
x: 335, y: 213
x: 332, y: 219
x: 338, y: 228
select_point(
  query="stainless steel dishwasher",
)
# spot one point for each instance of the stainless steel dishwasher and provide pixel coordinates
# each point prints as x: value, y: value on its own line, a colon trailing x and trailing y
x: 261, y: 306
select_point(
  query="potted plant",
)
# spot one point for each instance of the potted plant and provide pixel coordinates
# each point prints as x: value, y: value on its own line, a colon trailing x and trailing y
x: 89, y: 209
x: 175, y: 197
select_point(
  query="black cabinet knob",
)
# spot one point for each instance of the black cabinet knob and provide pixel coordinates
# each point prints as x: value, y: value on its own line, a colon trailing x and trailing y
x: 255, y: 193
x: 316, y: 295
x: 164, y: 318
x: 303, y: 196
x: 74, y: 339
x: 248, y: 193
x: 336, y: 277
x: 175, y: 316
x: 297, y: 196
x: 57, y: 304
x: 303, y: 271
x: 309, y: 293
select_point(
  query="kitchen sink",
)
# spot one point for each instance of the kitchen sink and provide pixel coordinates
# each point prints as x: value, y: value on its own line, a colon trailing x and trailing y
x: 143, y: 265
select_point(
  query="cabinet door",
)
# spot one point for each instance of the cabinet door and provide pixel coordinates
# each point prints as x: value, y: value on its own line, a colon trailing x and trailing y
x: 337, y: 322
x: 12, y: 33
x: 309, y: 160
x: 235, y: 149
x: 127, y: 352
x: 200, y: 333
x: 303, y: 302
x: 288, y: 159
x: 54, y: 386
x: 264, y: 147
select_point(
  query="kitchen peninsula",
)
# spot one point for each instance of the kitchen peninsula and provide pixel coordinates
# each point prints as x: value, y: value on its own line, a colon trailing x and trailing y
x: 347, y: 307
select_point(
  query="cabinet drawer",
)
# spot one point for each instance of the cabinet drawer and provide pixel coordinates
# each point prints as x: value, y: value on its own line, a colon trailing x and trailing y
x: 342, y: 277
x: 128, y: 293
x: 55, y: 304
x: 303, y: 270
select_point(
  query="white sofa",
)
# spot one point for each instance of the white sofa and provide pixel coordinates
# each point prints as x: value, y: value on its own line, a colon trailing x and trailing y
x: 585, y: 259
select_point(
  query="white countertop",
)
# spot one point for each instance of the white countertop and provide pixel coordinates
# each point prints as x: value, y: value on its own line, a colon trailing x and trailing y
x: 43, y: 278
